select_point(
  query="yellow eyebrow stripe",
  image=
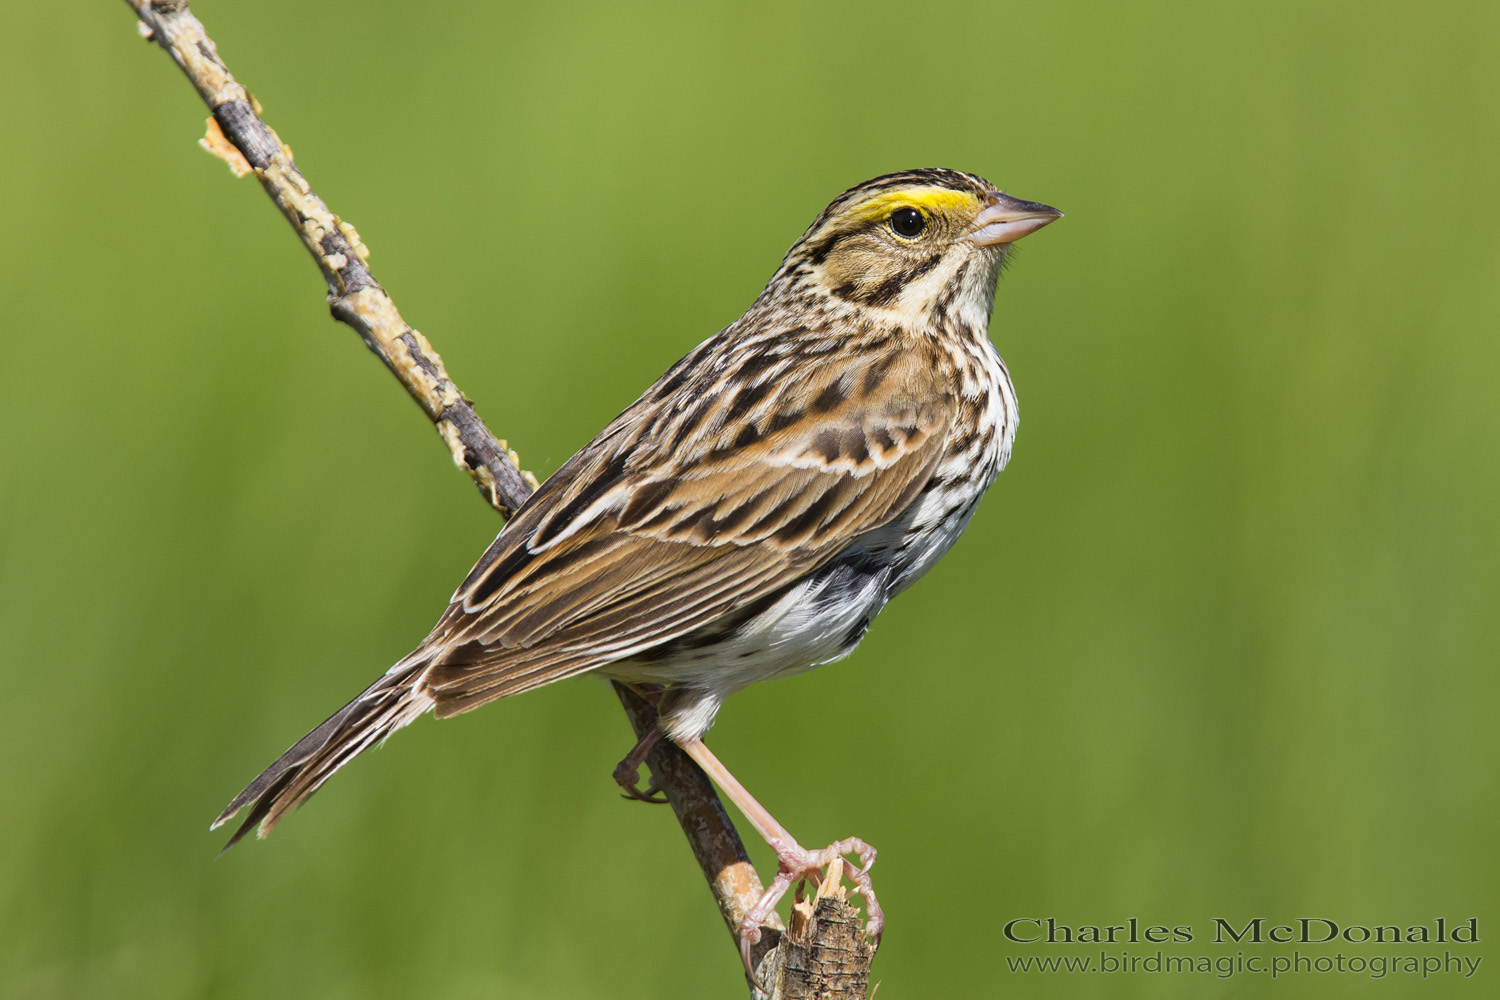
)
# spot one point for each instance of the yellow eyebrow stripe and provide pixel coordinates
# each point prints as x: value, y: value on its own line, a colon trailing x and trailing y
x: 931, y: 200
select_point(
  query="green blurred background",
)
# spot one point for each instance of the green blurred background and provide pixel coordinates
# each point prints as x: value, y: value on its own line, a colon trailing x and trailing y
x: 1221, y: 643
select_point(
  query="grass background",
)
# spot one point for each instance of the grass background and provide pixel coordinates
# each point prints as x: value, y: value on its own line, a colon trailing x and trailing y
x: 1221, y: 643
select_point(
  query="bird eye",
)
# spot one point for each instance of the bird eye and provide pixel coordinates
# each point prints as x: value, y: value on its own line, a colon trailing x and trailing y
x: 908, y: 222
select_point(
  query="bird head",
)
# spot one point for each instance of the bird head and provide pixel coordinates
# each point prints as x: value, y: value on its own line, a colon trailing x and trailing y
x: 912, y: 242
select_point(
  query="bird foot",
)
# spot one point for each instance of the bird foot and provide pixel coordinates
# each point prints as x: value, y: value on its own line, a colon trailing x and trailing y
x: 795, y: 863
x: 652, y: 793
x: 627, y: 773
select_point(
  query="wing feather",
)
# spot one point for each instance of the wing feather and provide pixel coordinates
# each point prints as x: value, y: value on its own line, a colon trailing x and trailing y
x: 630, y: 546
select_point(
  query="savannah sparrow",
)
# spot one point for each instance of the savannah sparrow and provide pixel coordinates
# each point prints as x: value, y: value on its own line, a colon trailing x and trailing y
x: 750, y: 514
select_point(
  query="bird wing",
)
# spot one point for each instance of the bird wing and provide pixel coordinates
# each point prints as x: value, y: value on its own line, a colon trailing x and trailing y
x: 678, y: 513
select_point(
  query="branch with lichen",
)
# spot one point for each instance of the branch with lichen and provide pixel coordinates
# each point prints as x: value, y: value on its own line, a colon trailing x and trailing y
x: 823, y: 954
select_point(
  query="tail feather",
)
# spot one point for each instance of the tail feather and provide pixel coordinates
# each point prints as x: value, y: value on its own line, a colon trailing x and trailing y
x: 396, y: 699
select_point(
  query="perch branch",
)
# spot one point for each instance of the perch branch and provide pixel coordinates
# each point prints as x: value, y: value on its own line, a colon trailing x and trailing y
x: 824, y: 955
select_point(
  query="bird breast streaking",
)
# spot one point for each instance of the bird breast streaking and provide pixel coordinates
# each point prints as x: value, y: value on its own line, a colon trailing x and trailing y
x: 753, y: 510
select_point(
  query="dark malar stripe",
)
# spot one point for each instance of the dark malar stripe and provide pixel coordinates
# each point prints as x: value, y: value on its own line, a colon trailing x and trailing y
x: 922, y: 268
x: 886, y: 292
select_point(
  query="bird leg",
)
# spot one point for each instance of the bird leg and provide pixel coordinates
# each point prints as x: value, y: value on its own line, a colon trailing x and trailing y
x: 793, y: 861
x: 628, y: 771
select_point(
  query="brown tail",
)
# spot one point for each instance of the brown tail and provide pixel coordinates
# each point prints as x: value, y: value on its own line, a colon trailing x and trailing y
x: 385, y: 706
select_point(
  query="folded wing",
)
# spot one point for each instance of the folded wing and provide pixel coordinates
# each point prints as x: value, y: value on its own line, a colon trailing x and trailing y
x: 670, y: 520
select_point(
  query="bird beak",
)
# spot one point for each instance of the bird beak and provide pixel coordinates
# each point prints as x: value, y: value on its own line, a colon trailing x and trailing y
x: 1005, y: 219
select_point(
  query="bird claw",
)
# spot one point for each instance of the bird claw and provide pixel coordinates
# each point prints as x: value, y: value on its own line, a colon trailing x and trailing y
x: 652, y: 793
x: 627, y: 773
x: 797, y: 864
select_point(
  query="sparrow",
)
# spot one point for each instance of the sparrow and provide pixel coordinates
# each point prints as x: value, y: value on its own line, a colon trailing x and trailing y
x: 750, y: 514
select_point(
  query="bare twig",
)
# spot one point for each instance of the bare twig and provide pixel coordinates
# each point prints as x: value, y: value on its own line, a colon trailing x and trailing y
x: 237, y: 134
x: 354, y: 296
